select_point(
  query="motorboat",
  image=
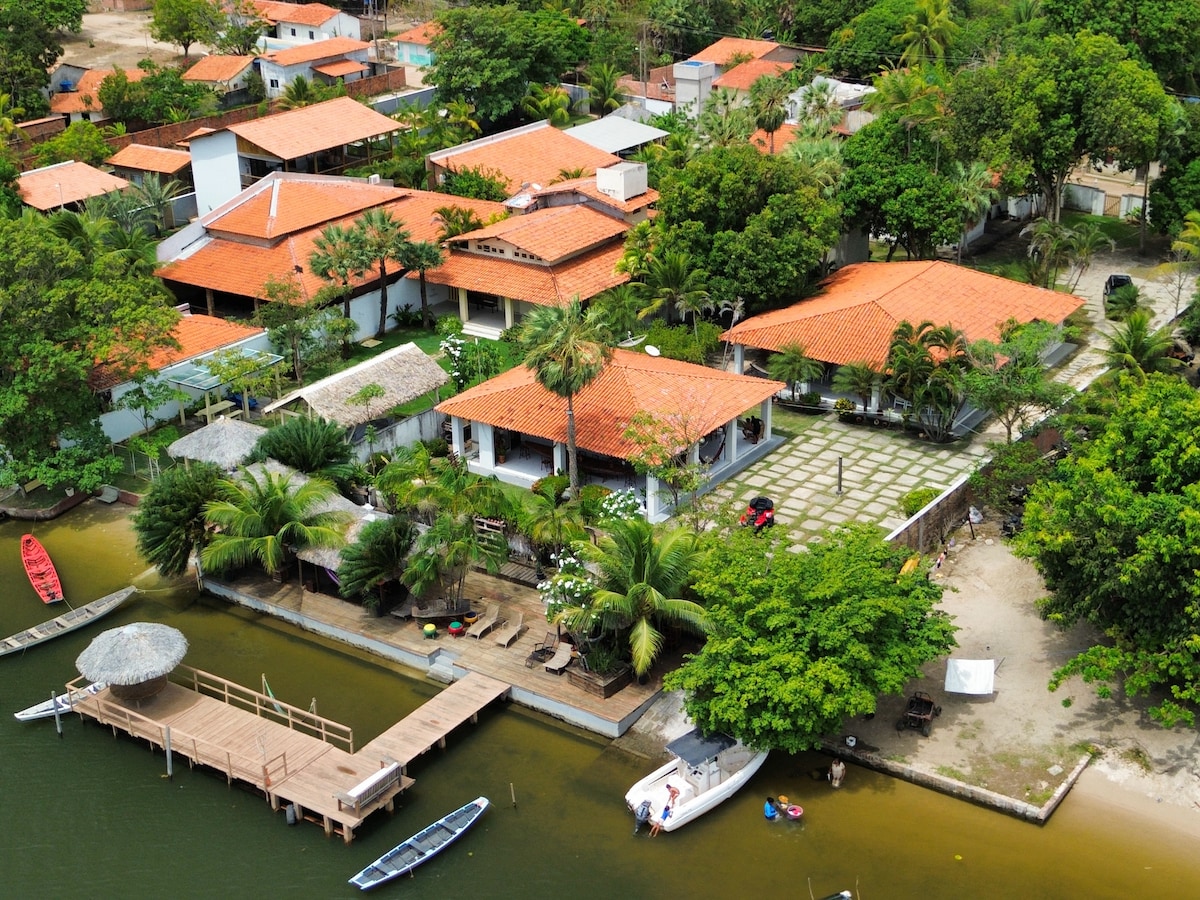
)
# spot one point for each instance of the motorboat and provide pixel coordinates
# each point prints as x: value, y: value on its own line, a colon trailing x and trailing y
x: 703, y: 772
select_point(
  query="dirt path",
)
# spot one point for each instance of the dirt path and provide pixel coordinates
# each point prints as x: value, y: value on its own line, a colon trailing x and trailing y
x: 112, y: 39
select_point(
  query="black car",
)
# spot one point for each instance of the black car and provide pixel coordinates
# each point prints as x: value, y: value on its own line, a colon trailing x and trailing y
x: 1116, y: 282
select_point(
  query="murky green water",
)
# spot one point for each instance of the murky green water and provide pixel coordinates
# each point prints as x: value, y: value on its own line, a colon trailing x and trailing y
x: 93, y: 816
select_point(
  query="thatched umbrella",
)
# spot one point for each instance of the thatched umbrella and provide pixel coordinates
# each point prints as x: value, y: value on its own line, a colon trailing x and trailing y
x: 226, y: 442
x: 134, y: 659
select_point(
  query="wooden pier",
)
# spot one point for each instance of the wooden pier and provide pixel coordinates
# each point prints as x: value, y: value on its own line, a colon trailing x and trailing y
x: 293, y: 756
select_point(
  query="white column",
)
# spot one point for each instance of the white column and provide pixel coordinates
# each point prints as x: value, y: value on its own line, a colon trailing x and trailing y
x: 510, y: 318
x: 765, y: 414
x: 463, y: 313
x: 560, y: 458
x: 654, y: 503
x: 457, y: 441
x: 486, y: 436
x: 731, y: 440
x: 739, y: 358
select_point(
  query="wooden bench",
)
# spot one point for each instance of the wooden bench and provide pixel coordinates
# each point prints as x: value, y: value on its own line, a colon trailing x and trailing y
x: 371, y: 788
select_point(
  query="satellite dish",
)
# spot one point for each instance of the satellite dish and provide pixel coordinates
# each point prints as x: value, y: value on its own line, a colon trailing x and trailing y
x: 651, y: 350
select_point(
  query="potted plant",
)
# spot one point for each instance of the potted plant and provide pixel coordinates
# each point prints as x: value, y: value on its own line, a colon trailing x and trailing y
x: 601, y: 672
x: 845, y: 407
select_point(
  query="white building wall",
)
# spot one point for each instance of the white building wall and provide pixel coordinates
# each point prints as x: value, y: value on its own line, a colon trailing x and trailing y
x: 340, y: 25
x: 215, y: 170
x: 364, y: 310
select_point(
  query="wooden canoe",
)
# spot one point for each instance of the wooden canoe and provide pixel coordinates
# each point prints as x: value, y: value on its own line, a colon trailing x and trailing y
x: 40, y: 569
x: 63, y: 702
x: 421, y: 847
x: 65, y: 623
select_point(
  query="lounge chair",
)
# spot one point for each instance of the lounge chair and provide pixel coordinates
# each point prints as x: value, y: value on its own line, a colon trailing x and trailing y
x: 510, y: 632
x: 542, y: 651
x: 486, y: 622
x: 561, y: 658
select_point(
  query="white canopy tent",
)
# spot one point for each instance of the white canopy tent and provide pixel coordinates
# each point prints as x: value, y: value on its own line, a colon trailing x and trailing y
x: 970, y: 676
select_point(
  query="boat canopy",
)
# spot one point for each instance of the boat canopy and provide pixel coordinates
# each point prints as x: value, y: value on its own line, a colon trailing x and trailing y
x: 693, y: 748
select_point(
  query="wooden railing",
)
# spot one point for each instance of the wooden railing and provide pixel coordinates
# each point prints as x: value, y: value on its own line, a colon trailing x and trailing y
x: 261, y: 705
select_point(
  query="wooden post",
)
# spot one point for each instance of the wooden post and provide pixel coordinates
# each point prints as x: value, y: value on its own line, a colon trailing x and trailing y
x: 167, y: 748
x: 57, y: 715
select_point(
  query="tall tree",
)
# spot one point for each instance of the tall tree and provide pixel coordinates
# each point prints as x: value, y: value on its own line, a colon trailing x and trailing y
x: 603, y: 94
x: 641, y: 575
x: 975, y: 190
x: 928, y: 31
x: 420, y: 257
x: 339, y: 256
x: 567, y: 349
x: 794, y: 366
x: 185, y: 22
x: 769, y: 102
x: 28, y: 50
x: 169, y: 522
x: 382, y: 237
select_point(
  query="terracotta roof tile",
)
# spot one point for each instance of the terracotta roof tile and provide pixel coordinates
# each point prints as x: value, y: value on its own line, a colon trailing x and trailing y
x: 728, y: 47
x: 739, y: 78
x: 586, y: 276
x: 151, y: 159
x: 218, y: 68
x: 785, y: 135
x: 300, y: 13
x: 277, y: 206
x: 631, y: 382
x: 70, y: 182
x: 85, y: 97
x: 853, y: 319
x: 529, y: 156
x: 341, y: 68
x: 652, y: 90
x: 552, y: 234
x: 311, y: 129
x: 196, y: 335
x: 587, y: 188
x: 419, y: 34
x: 338, y: 46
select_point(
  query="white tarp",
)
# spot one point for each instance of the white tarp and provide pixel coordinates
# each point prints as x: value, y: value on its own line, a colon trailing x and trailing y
x: 971, y: 676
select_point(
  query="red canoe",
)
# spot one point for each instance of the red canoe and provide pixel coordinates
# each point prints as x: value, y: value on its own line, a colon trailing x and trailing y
x: 40, y: 569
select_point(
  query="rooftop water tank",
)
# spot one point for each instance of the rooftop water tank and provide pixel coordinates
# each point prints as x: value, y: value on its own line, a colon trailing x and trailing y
x: 66, y: 86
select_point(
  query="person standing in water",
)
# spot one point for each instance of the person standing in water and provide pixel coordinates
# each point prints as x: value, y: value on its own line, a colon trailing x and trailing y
x: 837, y: 772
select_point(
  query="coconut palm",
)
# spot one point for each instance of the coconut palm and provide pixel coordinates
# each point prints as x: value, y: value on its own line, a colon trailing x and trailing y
x: 928, y: 31
x: 551, y: 102
x: 769, y: 103
x: 1187, y: 242
x: 156, y: 195
x: 641, y: 573
x: 455, y: 220
x: 567, y: 349
x: 447, y: 550
x: 794, y: 366
x: 421, y: 256
x: 169, y: 522
x: 818, y: 160
x: 382, y: 237
x: 261, y: 517
x: 725, y: 122
x: 819, y: 107
x: 135, y: 250
x: 621, y: 308
x: 1084, y: 242
x: 1049, y: 247
x: 299, y: 92
x: 460, y: 119
x: 10, y: 115
x: 84, y: 232
x: 339, y: 256
x: 858, y: 379
x: 551, y: 525
x: 974, y: 191
x: 376, y: 557
x: 1133, y: 346
x: 603, y: 93
x: 673, y: 281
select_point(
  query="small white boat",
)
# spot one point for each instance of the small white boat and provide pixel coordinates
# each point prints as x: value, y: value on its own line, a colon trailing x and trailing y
x: 421, y: 847
x: 65, y: 703
x: 705, y: 772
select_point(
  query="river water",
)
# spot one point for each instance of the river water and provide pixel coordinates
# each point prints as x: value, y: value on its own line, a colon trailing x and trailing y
x: 90, y: 815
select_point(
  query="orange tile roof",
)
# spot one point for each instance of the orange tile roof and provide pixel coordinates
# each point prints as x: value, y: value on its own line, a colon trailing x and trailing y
x: 63, y: 183
x: 217, y: 68
x: 311, y: 129
x: 853, y: 319
x: 236, y: 259
x: 338, y: 46
x: 151, y: 159
x: 584, y: 276
x: 552, y: 234
x: 651, y: 90
x: 300, y: 13
x: 419, y: 34
x: 631, y: 382
x: 785, y: 135
x: 587, y: 188
x: 85, y: 97
x: 533, y: 156
x: 195, y: 334
x: 341, y: 68
x: 739, y: 78
x: 728, y: 47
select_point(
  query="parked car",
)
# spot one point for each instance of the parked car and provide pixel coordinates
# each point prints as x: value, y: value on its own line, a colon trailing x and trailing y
x: 1115, y: 282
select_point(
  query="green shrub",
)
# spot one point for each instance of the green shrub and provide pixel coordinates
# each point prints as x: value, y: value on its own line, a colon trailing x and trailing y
x: 811, y: 399
x: 449, y: 325
x: 1189, y: 324
x: 916, y: 500
x: 407, y: 317
x: 682, y: 343
x: 591, y: 498
x: 844, y: 405
x: 437, y: 447
x: 1001, y: 484
x: 559, y: 483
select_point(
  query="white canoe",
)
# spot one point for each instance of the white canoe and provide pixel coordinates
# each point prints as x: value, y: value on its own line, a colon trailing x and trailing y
x: 65, y: 703
x: 705, y: 772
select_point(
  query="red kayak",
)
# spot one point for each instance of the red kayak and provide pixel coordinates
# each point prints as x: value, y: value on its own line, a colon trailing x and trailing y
x: 40, y: 569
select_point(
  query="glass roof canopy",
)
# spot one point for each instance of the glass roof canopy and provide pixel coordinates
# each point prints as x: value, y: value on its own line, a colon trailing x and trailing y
x: 197, y: 376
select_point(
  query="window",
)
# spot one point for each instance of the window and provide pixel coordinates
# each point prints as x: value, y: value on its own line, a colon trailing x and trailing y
x: 312, y: 35
x: 293, y: 30
x: 274, y: 82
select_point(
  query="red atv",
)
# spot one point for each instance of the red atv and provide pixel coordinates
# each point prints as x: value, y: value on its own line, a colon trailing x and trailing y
x: 760, y: 513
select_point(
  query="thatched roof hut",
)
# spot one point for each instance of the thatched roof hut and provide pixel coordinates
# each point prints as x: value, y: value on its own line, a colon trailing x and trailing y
x: 226, y: 442
x: 404, y: 373
x: 134, y: 659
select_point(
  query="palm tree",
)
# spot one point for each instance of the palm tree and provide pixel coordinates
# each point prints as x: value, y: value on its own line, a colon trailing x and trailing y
x: 156, y: 195
x: 169, y: 521
x: 975, y: 191
x: 794, y: 366
x: 1049, y: 245
x: 725, y: 122
x: 549, y: 524
x: 421, y: 256
x: 460, y: 119
x: 621, y: 308
x: 1135, y: 348
x: 603, y: 93
x: 672, y: 281
x: 455, y: 220
x: 447, y: 550
x: 9, y: 116
x: 376, y: 557
x: 1085, y: 241
x: 300, y: 92
x: 769, y: 102
x: 641, y: 573
x: 819, y: 107
x: 551, y: 102
x: 928, y: 30
x: 1187, y: 242
x: 136, y: 250
x: 84, y: 232
x: 858, y: 379
x: 264, y: 518
x: 337, y: 254
x: 382, y: 237
x: 567, y: 349
x: 818, y: 160
x: 313, y: 446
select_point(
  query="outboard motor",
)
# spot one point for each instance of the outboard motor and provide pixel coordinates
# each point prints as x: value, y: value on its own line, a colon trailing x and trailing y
x: 641, y: 816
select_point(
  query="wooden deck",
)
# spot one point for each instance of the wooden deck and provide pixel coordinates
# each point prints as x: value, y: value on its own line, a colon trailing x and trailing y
x: 291, y: 755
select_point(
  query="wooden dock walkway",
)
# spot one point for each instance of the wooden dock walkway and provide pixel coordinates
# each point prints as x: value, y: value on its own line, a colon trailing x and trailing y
x: 293, y: 756
x: 428, y: 726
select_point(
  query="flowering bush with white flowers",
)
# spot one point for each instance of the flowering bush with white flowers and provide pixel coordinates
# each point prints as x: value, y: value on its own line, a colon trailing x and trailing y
x: 621, y: 505
x: 471, y: 360
x: 571, y: 586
